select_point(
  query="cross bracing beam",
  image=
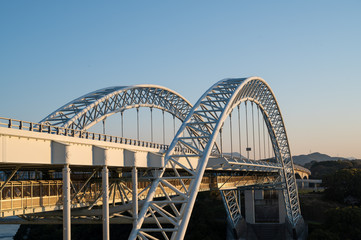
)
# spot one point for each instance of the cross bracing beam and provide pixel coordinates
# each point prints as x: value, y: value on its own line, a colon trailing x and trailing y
x: 79, y: 220
x: 232, y: 206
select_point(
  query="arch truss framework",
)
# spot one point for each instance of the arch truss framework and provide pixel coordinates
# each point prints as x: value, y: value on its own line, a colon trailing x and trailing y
x: 203, y: 124
x: 85, y: 111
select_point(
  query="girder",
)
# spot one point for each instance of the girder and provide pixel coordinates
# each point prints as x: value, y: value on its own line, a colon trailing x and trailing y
x: 215, y: 106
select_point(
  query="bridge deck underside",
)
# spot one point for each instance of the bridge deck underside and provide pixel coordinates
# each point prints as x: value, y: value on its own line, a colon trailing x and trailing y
x: 31, y: 196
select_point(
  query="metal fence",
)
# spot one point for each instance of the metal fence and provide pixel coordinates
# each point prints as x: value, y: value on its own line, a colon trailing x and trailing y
x: 44, y: 128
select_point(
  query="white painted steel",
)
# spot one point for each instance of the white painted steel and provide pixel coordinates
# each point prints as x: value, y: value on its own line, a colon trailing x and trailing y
x: 135, y: 194
x: 232, y: 205
x: 49, y: 149
x: 214, y: 107
x: 105, y: 205
x: 66, y: 203
x: 93, y: 107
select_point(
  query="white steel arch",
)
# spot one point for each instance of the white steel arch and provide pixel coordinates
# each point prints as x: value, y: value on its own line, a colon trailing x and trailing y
x: 203, y: 125
x: 87, y: 110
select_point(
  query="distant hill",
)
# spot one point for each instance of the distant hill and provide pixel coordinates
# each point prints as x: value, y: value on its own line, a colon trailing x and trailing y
x: 304, y: 158
x: 317, y: 157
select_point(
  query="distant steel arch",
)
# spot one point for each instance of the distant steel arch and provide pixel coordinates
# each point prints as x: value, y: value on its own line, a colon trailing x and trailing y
x: 214, y: 106
x: 87, y: 110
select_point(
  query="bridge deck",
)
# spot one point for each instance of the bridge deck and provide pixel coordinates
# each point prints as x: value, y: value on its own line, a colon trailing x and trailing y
x: 47, y: 147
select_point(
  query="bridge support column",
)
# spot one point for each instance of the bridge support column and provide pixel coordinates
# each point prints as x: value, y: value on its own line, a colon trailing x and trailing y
x: 259, y: 194
x: 105, y: 187
x: 135, y: 195
x: 249, y: 206
x: 66, y: 203
x: 281, y: 207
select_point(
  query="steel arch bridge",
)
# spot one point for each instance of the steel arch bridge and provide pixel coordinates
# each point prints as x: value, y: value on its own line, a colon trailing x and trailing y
x: 202, y: 123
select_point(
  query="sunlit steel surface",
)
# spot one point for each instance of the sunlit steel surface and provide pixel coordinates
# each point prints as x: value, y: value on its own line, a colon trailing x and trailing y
x: 215, y: 105
x: 84, y: 112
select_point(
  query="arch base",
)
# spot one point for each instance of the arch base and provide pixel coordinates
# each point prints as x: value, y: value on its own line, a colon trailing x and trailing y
x: 284, y: 231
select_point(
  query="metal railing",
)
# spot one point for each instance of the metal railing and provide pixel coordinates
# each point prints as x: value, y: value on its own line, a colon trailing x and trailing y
x: 29, y: 194
x: 17, y: 195
x: 44, y: 128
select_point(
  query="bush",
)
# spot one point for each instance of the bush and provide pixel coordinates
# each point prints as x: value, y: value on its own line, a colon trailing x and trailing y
x: 343, y: 183
x: 323, y: 234
x: 344, y: 222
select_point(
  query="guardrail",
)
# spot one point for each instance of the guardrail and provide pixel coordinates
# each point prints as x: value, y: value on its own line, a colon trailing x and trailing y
x: 46, y: 195
x: 44, y: 128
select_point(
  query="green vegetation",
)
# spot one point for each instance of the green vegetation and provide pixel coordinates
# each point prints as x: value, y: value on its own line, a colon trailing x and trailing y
x: 314, y: 207
x: 344, y: 186
x: 329, y: 219
x: 336, y: 213
x: 341, y: 223
x: 321, y: 169
x: 208, y: 219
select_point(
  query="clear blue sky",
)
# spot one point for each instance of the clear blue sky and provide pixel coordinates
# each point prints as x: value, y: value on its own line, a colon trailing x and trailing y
x: 309, y: 52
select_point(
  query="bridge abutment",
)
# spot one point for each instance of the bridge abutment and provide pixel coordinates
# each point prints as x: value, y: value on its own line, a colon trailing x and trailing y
x: 282, y: 214
x: 264, y: 216
x: 249, y: 206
